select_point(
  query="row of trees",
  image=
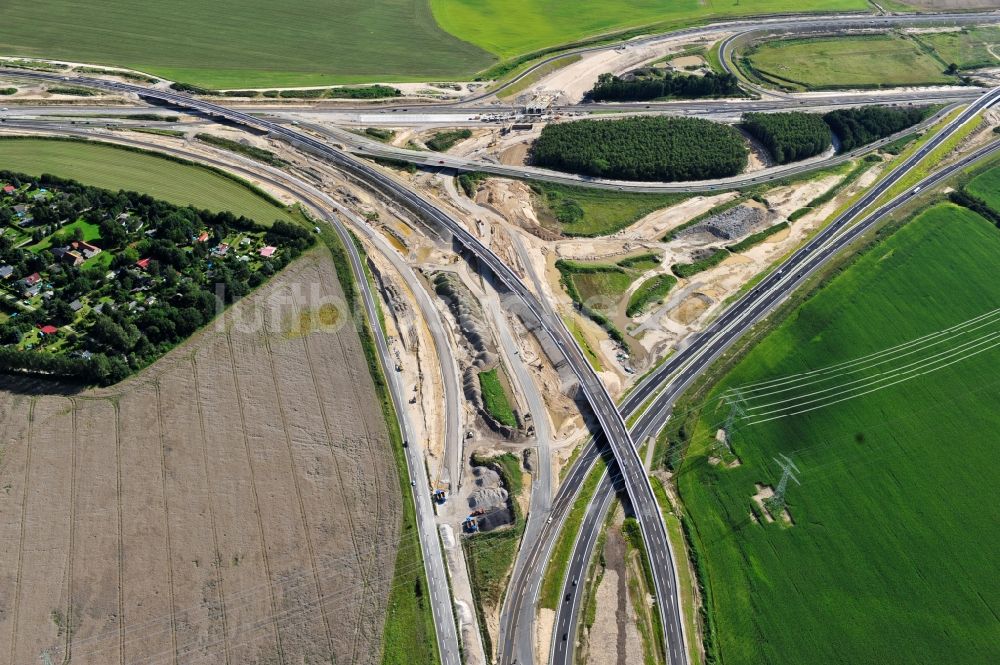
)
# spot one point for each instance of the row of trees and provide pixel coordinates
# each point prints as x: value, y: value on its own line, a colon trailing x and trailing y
x: 642, y: 148
x: 859, y: 126
x: 789, y: 137
x: 611, y: 88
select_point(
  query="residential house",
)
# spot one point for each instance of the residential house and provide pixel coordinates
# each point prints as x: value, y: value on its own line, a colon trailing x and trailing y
x: 48, y: 329
x: 76, y: 305
x: 6, y: 272
x: 32, y: 279
x: 202, y: 237
x: 268, y: 251
x: 221, y: 249
x: 9, y: 189
x: 87, y: 249
x: 72, y: 257
x: 143, y: 263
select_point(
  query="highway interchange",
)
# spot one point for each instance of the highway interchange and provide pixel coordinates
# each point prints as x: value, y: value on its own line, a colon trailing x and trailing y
x: 662, y: 386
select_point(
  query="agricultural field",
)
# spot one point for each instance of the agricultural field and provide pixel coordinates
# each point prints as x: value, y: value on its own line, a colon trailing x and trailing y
x: 237, y: 501
x: 114, y: 168
x: 300, y: 43
x: 514, y: 27
x: 986, y: 186
x: 887, y: 550
x: 846, y: 62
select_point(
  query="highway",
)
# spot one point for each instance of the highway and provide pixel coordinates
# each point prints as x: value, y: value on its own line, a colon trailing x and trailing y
x: 321, y: 204
x: 684, y: 367
x: 636, y: 483
x: 361, y: 145
x: 696, y: 356
x: 368, y: 147
x: 375, y: 114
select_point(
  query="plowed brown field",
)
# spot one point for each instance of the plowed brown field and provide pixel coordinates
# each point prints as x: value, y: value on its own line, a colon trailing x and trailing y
x: 235, y: 503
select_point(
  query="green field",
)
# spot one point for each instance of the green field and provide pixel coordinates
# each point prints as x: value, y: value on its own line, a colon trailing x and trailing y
x: 601, y: 285
x: 892, y: 555
x: 513, y: 27
x: 968, y: 48
x: 579, y: 211
x: 490, y: 556
x: 840, y: 62
x: 986, y: 186
x: 253, y: 43
x: 102, y: 165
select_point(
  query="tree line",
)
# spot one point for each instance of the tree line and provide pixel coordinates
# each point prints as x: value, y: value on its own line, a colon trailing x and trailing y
x: 860, y: 126
x: 611, y: 88
x: 794, y: 135
x: 642, y: 148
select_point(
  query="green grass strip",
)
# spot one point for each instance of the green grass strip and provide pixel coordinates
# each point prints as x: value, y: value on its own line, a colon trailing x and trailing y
x: 652, y: 290
x: 562, y: 552
x: 495, y: 398
x: 757, y: 238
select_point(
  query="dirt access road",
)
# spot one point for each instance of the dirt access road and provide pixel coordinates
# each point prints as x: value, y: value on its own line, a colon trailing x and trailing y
x: 236, y: 503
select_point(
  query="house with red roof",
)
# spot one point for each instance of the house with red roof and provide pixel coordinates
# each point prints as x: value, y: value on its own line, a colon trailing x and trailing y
x: 48, y: 329
x: 8, y: 189
x: 143, y: 263
x: 268, y: 251
x: 203, y: 237
x: 32, y: 279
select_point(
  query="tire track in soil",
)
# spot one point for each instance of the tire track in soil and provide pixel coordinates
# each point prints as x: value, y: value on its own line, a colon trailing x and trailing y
x: 121, y: 537
x: 358, y: 549
x: 166, y: 519
x: 211, y: 509
x: 372, y: 559
x: 20, y: 547
x: 256, y: 499
x: 72, y: 538
x: 295, y: 481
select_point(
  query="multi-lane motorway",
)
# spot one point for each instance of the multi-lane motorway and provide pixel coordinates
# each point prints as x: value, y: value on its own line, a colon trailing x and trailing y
x: 683, y: 367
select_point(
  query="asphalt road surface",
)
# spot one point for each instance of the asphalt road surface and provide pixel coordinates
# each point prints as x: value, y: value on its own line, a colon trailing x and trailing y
x: 690, y: 362
x: 633, y: 476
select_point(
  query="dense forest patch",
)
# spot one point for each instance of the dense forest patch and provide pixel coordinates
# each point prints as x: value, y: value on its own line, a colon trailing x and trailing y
x: 789, y: 137
x: 642, y: 148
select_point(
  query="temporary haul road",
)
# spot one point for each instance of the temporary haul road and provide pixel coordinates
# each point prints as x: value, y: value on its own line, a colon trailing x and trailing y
x: 675, y: 375
x: 698, y: 354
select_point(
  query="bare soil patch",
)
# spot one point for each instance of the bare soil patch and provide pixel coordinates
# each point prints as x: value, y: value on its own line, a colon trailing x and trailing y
x: 236, y: 502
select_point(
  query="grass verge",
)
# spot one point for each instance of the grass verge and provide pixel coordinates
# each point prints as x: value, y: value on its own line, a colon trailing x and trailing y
x: 408, y: 635
x: 562, y: 551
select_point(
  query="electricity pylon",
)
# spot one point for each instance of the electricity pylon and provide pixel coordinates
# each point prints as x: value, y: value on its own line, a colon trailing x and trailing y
x: 777, y: 502
x: 734, y: 400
